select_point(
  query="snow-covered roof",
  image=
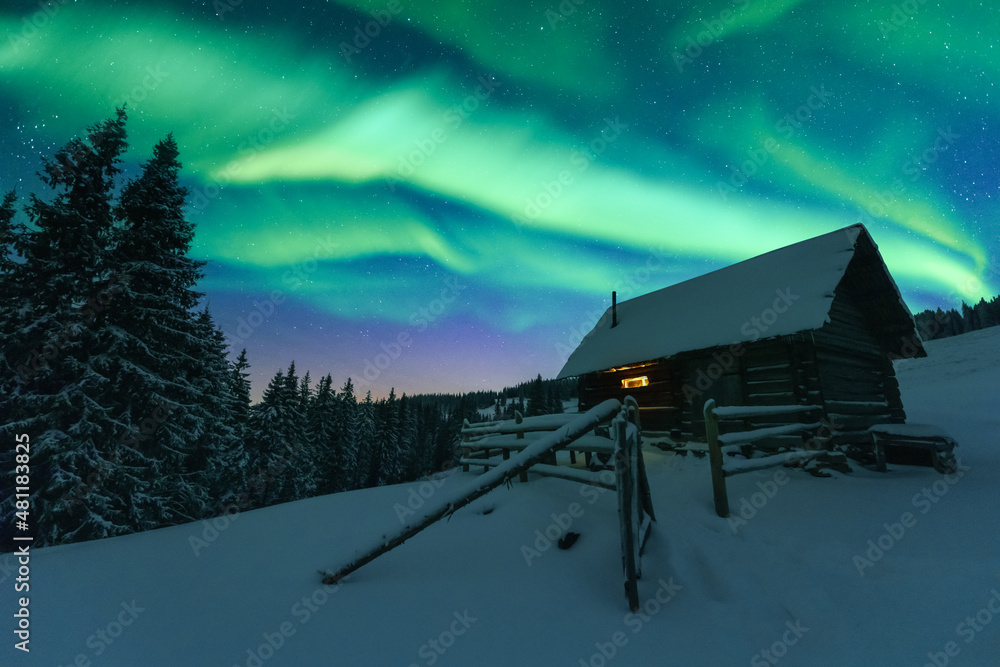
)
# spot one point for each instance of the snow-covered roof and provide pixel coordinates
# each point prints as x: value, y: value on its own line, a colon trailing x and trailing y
x: 781, y: 292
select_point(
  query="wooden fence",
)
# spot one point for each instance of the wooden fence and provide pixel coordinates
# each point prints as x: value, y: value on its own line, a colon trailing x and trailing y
x: 635, y: 509
x: 481, y: 441
x: 720, y: 444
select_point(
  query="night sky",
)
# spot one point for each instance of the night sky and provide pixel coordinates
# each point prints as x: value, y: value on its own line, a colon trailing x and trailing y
x: 460, y: 189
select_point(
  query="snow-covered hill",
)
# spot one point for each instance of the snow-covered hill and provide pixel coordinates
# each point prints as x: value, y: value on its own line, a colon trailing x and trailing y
x: 860, y: 569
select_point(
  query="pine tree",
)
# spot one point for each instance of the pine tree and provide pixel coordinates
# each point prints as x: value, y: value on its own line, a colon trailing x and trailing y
x: 300, y: 478
x: 60, y: 293
x: 171, y: 393
x: 305, y: 393
x: 389, y: 471
x: 427, y: 435
x: 968, y: 318
x: 219, y: 444
x: 447, y: 439
x: 345, y: 425
x: 232, y: 483
x: 956, y: 325
x: 366, y: 437
x: 941, y: 318
x: 536, y: 398
x: 240, y: 388
x: 321, y: 430
x: 279, y: 443
x: 984, y: 314
x: 8, y: 305
x: 68, y: 252
x: 927, y: 328
x: 408, y: 439
x: 556, y: 406
x: 7, y: 233
x: 265, y: 462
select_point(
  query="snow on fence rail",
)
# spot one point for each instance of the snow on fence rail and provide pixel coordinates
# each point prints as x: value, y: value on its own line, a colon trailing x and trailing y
x: 722, y: 469
x: 480, y: 440
x: 635, y: 508
x: 520, y: 424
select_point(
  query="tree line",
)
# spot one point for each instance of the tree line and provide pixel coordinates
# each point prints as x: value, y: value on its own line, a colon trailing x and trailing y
x: 934, y: 324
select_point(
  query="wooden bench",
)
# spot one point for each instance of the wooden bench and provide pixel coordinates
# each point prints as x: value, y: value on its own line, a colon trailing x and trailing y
x: 902, y: 441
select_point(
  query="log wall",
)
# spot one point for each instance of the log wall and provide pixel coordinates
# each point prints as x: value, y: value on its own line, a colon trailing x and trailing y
x: 856, y: 375
x: 659, y: 402
x: 778, y: 371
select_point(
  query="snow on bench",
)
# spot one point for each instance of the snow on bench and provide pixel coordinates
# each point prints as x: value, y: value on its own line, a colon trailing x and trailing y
x: 912, y: 431
x: 933, y: 439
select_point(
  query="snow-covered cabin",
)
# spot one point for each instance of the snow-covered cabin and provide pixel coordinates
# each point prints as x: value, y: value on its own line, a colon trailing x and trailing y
x: 814, y: 323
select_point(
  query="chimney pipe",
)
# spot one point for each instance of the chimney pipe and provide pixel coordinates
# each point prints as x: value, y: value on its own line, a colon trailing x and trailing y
x: 614, y: 309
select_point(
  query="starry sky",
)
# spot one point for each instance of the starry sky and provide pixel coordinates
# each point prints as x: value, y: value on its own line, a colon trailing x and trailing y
x: 441, y: 196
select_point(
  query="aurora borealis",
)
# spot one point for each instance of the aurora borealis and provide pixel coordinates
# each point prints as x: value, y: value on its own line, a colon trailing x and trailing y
x: 442, y: 195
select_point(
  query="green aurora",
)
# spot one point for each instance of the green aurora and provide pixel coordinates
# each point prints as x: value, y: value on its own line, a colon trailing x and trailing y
x: 539, y: 154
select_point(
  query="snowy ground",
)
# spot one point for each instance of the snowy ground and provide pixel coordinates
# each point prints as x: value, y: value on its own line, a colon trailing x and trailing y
x: 859, y: 569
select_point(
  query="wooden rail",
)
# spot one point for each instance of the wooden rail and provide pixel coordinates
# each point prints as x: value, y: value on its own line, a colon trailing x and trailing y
x: 716, y: 443
x: 479, y: 441
x: 520, y: 425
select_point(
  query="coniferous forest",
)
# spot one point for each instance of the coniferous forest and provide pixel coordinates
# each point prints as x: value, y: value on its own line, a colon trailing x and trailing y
x: 934, y: 324
x: 138, y: 417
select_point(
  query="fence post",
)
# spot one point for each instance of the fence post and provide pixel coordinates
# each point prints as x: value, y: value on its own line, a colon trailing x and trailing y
x: 646, y: 496
x: 879, y: 453
x: 715, y: 460
x: 465, y: 438
x: 519, y: 419
x: 627, y: 510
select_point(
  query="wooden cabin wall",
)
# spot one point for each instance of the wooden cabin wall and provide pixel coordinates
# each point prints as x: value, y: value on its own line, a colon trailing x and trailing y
x: 783, y: 372
x: 659, y: 402
x: 856, y: 375
x: 779, y: 371
x: 709, y: 374
x: 867, y: 284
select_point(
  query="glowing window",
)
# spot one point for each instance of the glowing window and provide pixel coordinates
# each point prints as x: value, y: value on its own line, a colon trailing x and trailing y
x: 632, y: 383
